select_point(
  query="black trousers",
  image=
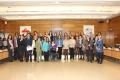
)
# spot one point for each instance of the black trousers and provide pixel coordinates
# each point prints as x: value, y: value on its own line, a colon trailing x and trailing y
x: 1, y: 47
x: 59, y: 52
x: 35, y: 54
x: 16, y: 53
x: 29, y: 56
x: 77, y: 51
x: 72, y: 53
x: 22, y: 53
x: 65, y: 52
x: 53, y: 55
x: 99, y: 56
x: 87, y: 54
x: 90, y: 55
x: 81, y: 53
x: 10, y: 55
x: 46, y: 56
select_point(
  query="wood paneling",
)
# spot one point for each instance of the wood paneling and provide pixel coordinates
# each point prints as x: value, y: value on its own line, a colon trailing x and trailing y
x: 2, y: 26
x: 43, y: 26
x: 114, y: 25
x: 46, y: 25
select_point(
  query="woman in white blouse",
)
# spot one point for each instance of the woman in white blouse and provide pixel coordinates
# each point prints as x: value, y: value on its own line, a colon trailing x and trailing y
x: 72, y: 44
x: 65, y: 47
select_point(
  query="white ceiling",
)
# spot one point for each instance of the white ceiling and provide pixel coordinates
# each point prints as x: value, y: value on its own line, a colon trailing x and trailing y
x: 59, y: 9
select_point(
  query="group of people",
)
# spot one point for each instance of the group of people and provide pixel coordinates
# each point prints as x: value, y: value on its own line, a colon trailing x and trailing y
x: 54, y: 46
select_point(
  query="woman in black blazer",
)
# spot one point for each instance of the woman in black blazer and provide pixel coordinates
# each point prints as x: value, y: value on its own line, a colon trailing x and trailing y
x: 22, y: 48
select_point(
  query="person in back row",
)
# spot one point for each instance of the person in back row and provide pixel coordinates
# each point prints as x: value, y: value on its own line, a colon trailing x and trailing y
x: 1, y: 43
x: 80, y: 47
x: 16, y: 49
x: 5, y: 43
x: 77, y: 46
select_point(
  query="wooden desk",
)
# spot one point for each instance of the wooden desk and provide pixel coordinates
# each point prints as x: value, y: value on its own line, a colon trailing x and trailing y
x: 112, y: 53
x: 3, y: 55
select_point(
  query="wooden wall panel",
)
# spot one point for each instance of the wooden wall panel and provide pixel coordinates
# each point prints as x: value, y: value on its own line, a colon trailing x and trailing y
x: 2, y: 26
x: 74, y: 26
x: 114, y: 25
x: 43, y: 26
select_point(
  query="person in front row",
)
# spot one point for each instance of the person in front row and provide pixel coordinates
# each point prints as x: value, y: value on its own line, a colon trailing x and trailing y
x: 99, y: 49
x: 72, y: 44
x: 29, y: 48
x: 59, y: 43
x: 53, y: 50
x: 65, y: 47
x: 35, y: 36
x: 21, y: 45
x: 45, y: 48
x: 38, y: 45
x: 10, y: 48
x: 90, y: 53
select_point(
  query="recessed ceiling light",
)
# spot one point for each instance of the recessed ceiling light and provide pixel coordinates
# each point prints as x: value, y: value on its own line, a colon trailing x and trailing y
x: 57, y: 2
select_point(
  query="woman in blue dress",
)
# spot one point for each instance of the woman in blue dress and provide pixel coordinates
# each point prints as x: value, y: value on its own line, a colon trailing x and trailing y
x: 99, y: 49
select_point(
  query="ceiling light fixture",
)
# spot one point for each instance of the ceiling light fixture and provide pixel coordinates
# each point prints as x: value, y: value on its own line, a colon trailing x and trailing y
x: 57, y: 2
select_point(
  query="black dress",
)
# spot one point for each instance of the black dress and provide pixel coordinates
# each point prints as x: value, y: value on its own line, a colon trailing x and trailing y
x: 22, y: 49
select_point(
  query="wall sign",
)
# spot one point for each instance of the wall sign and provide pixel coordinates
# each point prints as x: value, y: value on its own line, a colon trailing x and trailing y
x: 25, y: 29
x: 88, y: 29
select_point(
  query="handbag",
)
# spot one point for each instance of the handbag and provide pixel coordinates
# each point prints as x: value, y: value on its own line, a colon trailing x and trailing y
x: 42, y: 57
x: 29, y: 48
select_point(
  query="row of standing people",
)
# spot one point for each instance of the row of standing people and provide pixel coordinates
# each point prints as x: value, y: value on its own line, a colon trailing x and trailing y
x: 53, y: 47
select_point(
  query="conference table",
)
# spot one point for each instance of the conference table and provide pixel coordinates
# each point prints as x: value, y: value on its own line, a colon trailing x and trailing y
x: 113, y: 53
x: 3, y: 54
